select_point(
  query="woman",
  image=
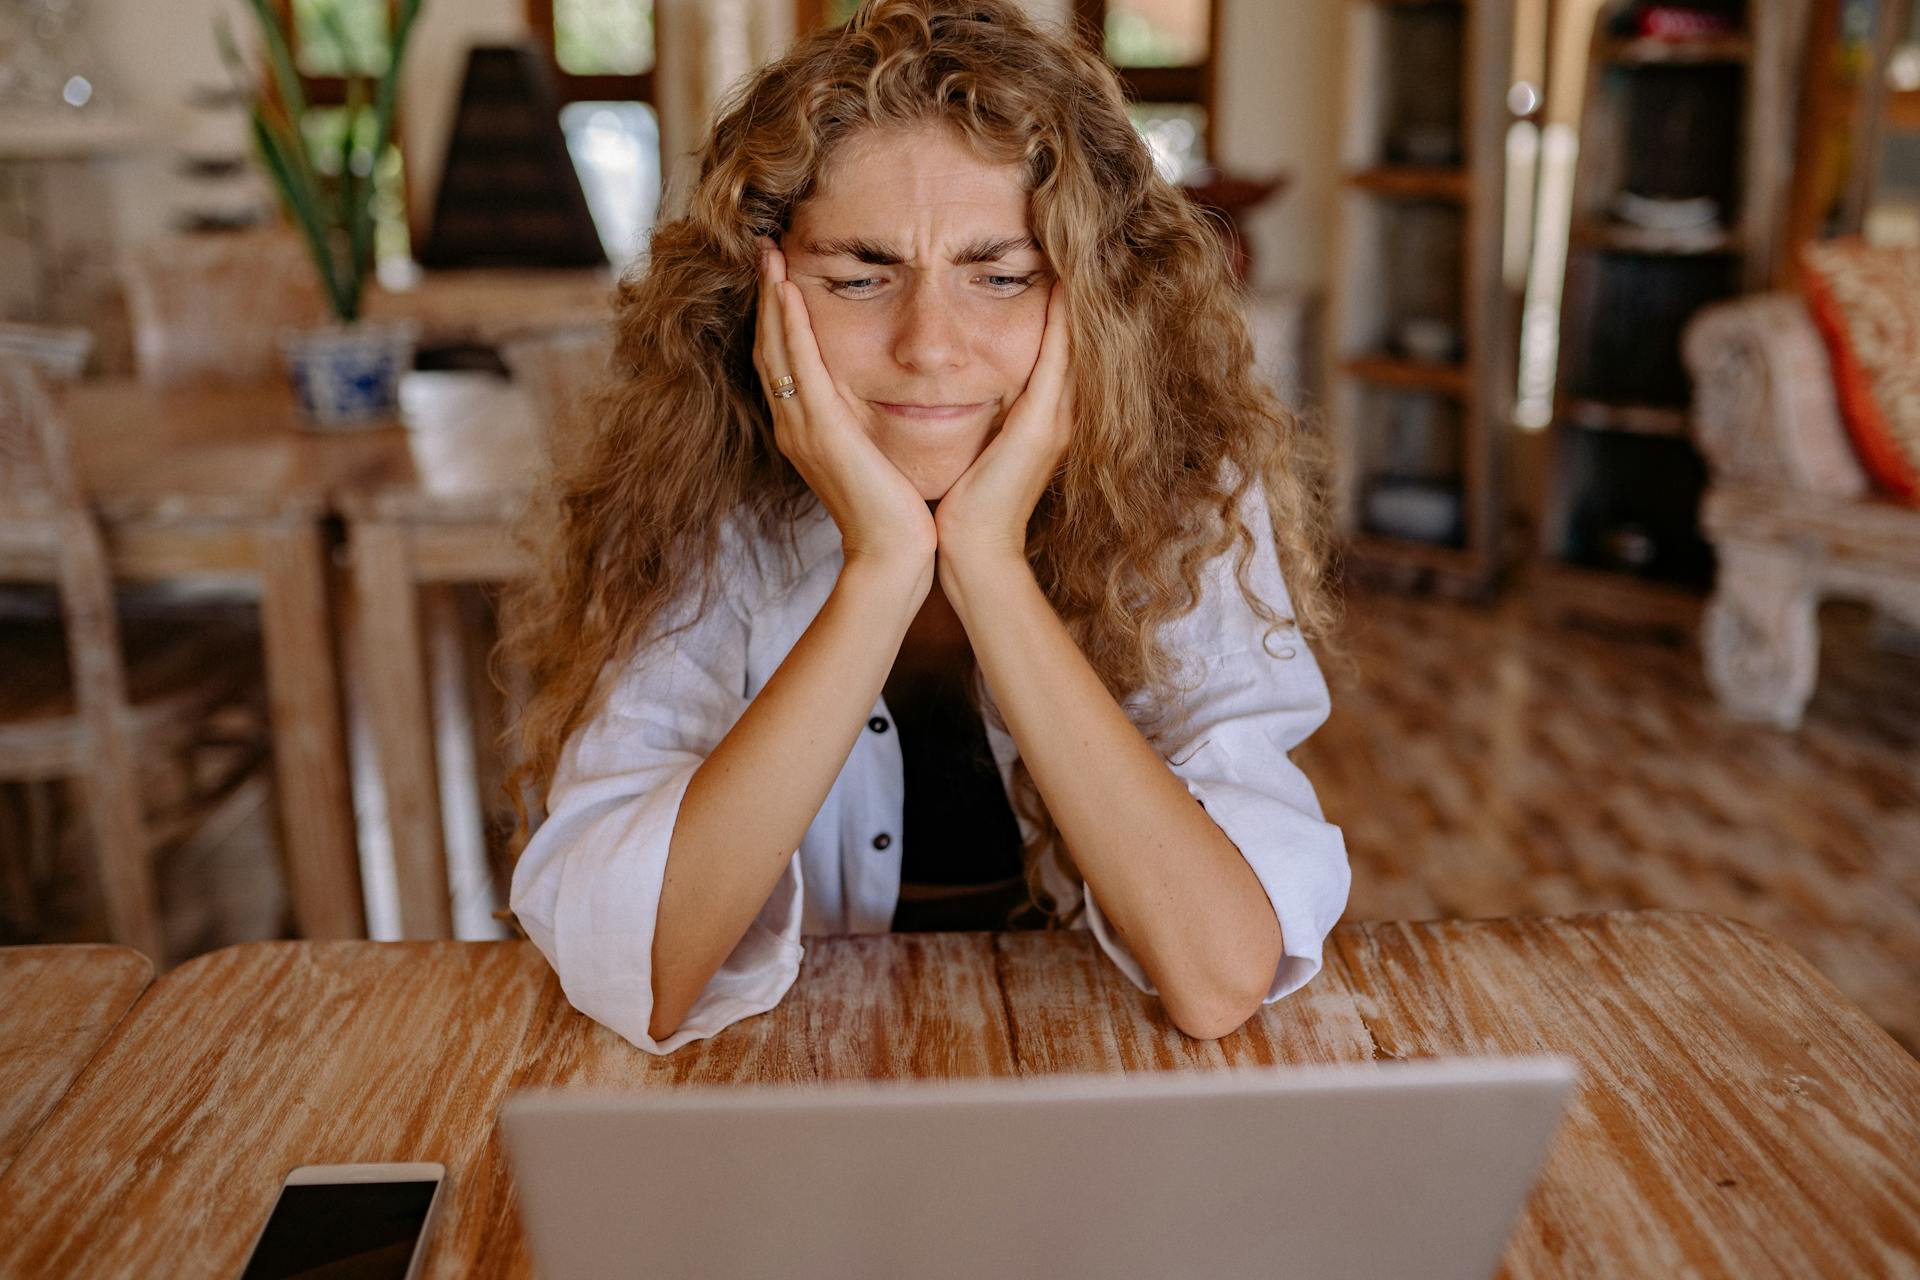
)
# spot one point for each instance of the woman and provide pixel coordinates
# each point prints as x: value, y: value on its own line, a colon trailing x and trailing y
x: 935, y: 485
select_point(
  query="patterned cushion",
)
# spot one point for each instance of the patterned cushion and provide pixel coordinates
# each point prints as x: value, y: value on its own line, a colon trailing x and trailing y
x: 1866, y: 301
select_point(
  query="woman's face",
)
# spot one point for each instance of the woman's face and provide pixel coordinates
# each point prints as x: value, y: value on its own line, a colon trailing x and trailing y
x: 926, y: 291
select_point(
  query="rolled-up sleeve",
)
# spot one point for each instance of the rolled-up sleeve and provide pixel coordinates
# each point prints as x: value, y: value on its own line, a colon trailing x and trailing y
x: 1260, y: 694
x: 587, y: 887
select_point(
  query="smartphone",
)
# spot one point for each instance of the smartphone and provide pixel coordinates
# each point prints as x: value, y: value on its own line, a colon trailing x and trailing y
x: 349, y: 1222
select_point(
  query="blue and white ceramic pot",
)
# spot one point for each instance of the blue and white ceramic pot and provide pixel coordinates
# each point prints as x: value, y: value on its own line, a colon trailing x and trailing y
x: 348, y: 375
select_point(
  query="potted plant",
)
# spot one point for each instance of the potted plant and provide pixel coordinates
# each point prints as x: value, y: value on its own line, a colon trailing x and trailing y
x: 348, y: 371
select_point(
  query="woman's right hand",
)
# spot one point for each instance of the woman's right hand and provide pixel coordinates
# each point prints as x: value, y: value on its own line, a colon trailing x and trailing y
x: 881, y: 516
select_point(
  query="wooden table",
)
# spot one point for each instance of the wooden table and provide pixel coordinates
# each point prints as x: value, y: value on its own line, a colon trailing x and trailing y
x: 225, y: 482
x: 491, y: 306
x: 1737, y: 1115
x: 57, y: 1005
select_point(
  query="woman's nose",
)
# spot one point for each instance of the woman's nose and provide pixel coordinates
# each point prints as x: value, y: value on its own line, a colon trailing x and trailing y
x: 928, y: 338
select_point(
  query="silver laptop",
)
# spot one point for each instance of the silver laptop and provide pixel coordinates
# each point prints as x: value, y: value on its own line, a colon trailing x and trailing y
x: 1390, y: 1169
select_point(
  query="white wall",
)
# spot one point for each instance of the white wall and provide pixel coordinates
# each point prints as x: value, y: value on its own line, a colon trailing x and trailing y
x: 152, y: 56
x: 1277, y: 96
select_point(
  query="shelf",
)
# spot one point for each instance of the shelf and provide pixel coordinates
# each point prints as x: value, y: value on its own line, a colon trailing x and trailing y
x: 1378, y: 548
x: 70, y: 136
x: 1410, y: 182
x: 1411, y: 375
x: 1619, y: 237
x: 1647, y: 52
x: 1903, y: 110
x: 1634, y: 419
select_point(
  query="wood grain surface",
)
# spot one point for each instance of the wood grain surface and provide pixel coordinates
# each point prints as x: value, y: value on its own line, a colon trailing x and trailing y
x: 1737, y: 1115
x: 57, y: 1006
x: 231, y: 452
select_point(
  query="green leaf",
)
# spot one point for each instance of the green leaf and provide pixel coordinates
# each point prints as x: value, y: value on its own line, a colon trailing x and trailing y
x: 274, y: 151
x: 338, y: 226
x: 355, y: 195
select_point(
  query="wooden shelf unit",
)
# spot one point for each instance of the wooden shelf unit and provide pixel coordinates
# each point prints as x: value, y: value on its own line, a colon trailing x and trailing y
x: 1450, y: 379
x: 1647, y: 52
x: 1417, y: 246
x: 1635, y: 419
x: 1621, y: 238
x: 1413, y: 182
x: 1623, y: 477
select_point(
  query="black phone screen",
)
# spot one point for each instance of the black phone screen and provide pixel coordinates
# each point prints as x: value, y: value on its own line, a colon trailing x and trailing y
x: 342, y: 1231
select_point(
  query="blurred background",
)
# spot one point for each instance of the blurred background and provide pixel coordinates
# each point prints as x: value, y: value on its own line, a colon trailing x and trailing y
x: 1609, y: 311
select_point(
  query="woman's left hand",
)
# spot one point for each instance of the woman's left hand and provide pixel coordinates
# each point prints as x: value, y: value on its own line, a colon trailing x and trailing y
x: 984, y: 516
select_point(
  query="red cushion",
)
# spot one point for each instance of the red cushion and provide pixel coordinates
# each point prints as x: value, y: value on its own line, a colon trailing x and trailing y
x: 1865, y: 299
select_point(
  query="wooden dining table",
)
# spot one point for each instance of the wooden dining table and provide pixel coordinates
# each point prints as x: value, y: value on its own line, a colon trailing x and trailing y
x: 1736, y: 1115
x: 57, y: 1006
x: 230, y: 483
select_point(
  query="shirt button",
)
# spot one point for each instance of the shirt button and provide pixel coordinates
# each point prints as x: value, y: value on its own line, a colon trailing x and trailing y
x: 882, y: 840
x: 878, y: 724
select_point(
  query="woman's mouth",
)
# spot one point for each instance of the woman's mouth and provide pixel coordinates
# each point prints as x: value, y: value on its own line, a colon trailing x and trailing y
x: 935, y: 412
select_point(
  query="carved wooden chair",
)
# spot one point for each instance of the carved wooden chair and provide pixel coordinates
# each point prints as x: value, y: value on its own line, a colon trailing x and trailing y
x: 210, y: 307
x: 1788, y: 508
x: 131, y: 728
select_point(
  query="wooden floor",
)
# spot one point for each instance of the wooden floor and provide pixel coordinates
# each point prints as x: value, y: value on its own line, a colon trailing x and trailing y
x: 1483, y: 764
x: 1486, y: 765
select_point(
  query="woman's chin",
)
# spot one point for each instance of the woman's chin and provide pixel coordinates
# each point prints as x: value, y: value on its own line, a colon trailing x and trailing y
x: 934, y: 487
x: 933, y: 475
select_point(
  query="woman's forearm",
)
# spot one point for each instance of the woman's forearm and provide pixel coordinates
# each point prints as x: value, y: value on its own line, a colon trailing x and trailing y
x: 751, y: 801
x: 1168, y: 879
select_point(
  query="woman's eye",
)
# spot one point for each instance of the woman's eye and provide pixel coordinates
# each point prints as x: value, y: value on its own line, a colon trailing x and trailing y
x: 1009, y: 285
x: 855, y: 288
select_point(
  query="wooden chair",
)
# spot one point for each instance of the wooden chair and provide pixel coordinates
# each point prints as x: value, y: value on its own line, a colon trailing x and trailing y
x: 72, y: 707
x: 210, y: 307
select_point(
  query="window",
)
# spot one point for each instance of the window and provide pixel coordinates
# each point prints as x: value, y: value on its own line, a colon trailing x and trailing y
x: 1163, y: 50
x: 602, y: 56
x: 335, y: 42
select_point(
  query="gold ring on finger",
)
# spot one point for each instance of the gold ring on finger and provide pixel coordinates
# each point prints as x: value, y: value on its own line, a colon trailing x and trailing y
x: 783, y: 386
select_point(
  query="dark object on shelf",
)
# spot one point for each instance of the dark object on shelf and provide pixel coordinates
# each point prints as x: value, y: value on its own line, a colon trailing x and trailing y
x: 1415, y: 510
x: 1687, y: 22
x: 1683, y: 131
x: 1634, y: 307
x: 212, y: 167
x: 1428, y: 339
x: 1423, y: 123
x: 1426, y: 258
x: 1694, y: 20
x: 1699, y: 214
x: 1636, y: 507
x: 509, y: 195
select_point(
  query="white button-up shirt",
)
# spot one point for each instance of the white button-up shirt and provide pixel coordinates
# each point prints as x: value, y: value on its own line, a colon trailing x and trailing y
x: 587, y: 887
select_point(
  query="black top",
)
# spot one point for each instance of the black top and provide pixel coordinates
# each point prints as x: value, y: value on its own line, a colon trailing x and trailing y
x: 961, y: 865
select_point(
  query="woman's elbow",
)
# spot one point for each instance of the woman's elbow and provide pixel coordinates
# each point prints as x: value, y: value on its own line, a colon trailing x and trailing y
x: 1220, y: 1013
x: 1213, y: 1022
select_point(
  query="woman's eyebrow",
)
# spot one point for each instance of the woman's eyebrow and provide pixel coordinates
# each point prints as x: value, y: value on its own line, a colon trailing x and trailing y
x: 988, y: 249
x: 992, y: 250
x: 874, y: 255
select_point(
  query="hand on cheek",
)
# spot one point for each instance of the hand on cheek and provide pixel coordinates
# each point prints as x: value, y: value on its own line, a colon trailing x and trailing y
x: 880, y: 515
x: 984, y: 515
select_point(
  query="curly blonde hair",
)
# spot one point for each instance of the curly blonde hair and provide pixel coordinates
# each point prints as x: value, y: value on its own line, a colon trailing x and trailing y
x: 1171, y: 429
